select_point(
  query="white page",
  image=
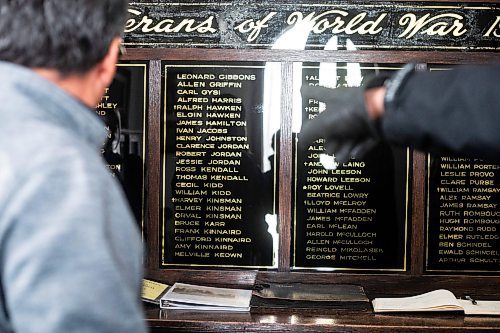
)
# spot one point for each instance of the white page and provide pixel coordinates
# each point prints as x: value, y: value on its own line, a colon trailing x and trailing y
x: 196, y: 307
x: 186, y: 293
x: 440, y: 299
x: 481, y: 307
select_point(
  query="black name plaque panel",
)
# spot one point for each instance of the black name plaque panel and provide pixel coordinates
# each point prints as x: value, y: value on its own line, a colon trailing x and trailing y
x: 463, y: 215
x: 218, y: 167
x: 123, y: 108
x: 352, y: 216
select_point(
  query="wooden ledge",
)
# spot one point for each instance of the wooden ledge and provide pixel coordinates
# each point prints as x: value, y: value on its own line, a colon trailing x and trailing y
x: 314, y: 321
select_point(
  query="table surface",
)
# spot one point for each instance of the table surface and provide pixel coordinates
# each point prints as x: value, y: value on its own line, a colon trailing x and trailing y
x: 292, y: 320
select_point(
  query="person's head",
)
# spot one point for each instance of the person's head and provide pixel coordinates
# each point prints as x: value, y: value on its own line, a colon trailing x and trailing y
x: 69, y: 37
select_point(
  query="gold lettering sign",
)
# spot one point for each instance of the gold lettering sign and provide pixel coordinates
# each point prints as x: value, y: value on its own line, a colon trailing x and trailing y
x: 261, y: 25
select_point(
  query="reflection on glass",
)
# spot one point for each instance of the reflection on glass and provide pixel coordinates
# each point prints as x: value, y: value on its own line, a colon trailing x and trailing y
x: 294, y: 38
x: 219, y: 176
x: 123, y: 110
x: 351, y: 216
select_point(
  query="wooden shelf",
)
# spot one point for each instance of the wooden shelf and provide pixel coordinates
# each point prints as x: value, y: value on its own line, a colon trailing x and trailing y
x: 280, y: 321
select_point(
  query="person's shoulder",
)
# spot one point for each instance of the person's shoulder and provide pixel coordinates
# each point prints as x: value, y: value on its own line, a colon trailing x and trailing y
x: 35, y: 144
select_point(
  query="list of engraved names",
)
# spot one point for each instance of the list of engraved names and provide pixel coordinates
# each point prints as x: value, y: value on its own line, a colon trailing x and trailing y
x: 216, y: 208
x: 464, y: 215
x: 346, y: 217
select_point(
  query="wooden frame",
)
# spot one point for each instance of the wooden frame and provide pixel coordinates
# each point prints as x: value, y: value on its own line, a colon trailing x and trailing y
x: 413, y: 281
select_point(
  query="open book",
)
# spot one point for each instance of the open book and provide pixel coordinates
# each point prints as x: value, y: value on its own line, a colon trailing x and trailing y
x: 192, y: 297
x: 437, y: 300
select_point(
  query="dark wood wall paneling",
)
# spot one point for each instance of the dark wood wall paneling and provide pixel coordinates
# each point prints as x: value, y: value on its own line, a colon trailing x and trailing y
x: 410, y: 282
x: 413, y: 281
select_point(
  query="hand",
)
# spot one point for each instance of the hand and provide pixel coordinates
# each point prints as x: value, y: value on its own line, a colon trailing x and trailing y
x: 345, y: 124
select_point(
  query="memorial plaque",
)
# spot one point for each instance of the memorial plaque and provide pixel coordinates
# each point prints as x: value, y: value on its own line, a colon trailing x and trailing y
x: 352, y: 216
x: 463, y: 215
x: 218, y: 163
x: 420, y: 25
x: 123, y: 108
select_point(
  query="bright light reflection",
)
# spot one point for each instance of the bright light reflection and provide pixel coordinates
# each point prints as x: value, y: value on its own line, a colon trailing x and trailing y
x: 328, y: 161
x: 268, y: 320
x: 328, y: 73
x: 325, y: 269
x: 353, y: 77
x: 328, y: 70
x: 324, y: 321
x: 293, y: 39
x: 272, y: 222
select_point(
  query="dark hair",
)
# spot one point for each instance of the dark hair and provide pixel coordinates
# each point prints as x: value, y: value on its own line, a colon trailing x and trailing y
x: 70, y: 36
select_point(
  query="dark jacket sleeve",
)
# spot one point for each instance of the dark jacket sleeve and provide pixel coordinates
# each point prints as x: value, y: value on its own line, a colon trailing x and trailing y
x: 448, y: 112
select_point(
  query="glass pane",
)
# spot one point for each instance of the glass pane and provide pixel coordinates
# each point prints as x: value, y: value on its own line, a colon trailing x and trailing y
x: 463, y: 215
x: 219, y: 158
x: 123, y: 109
x: 352, y: 216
